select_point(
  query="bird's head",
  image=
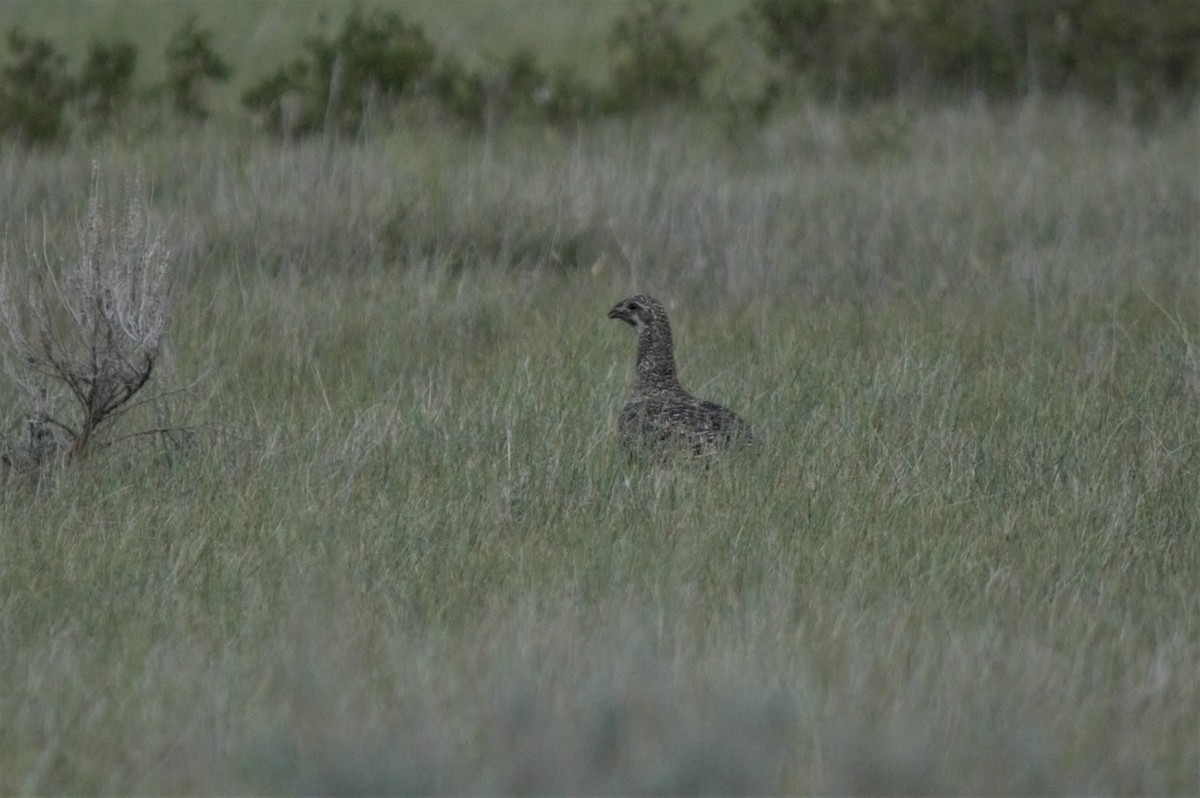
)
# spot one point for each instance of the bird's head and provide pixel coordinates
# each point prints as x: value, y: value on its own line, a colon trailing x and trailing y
x: 639, y: 312
x: 655, y: 350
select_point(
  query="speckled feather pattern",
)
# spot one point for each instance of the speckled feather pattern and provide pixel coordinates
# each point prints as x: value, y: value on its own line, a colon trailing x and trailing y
x: 659, y: 413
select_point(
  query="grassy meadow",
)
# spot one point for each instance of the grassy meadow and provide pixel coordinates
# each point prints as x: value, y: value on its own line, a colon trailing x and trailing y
x: 398, y: 550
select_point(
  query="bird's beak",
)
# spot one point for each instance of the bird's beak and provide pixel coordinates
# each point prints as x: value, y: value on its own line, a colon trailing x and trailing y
x: 618, y: 312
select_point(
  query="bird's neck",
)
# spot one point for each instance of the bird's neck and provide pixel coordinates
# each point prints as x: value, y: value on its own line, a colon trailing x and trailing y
x: 655, y: 361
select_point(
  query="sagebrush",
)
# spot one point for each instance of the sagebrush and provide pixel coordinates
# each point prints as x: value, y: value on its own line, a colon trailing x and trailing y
x: 83, y: 341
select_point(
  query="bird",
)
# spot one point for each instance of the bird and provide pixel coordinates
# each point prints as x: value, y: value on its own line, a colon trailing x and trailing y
x: 659, y: 414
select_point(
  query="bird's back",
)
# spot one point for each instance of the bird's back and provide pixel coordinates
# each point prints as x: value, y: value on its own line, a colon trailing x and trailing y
x: 683, y: 421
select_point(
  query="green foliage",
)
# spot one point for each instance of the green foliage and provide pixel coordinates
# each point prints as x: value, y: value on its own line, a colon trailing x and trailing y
x: 1142, y: 57
x: 377, y: 60
x: 520, y: 87
x: 35, y: 88
x: 1146, y: 52
x: 462, y: 92
x: 285, y: 102
x: 191, y: 64
x: 105, y: 82
x: 1108, y: 49
x: 860, y: 49
x: 565, y: 96
x: 374, y: 60
x: 655, y: 62
x: 804, y: 33
x: 381, y: 54
x: 524, y: 83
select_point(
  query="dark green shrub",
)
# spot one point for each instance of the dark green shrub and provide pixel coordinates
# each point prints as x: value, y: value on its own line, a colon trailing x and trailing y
x: 1138, y: 52
x: 375, y: 59
x: 565, y: 96
x: 486, y: 96
x: 459, y: 91
x: 838, y: 48
x: 382, y: 55
x: 1111, y: 50
x: 191, y: 63
x: 105, y: 82
x: 518, y: 88
x: 285, y: 101
x: 522, y: 84
x: 34, y: 90
x: 655, y: 61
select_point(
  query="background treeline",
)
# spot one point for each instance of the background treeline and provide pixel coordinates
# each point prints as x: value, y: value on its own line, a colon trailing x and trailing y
x: 1143, y: 57
x: 1110, y: 50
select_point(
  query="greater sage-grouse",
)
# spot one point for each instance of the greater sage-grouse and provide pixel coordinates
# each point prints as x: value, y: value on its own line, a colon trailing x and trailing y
x: 660, y: 414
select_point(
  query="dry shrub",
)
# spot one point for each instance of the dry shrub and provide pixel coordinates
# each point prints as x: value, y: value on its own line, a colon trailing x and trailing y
x: 82, y: 341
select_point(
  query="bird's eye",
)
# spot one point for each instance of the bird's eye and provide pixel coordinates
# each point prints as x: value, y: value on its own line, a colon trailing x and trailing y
x: 634, y: 306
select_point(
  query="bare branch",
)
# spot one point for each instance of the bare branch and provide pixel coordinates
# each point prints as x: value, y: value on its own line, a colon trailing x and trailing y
x: 95, y: 333
x: 160, y: 431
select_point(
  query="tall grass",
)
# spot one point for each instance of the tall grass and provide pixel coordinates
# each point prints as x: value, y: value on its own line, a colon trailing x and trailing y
x: 409, y: 556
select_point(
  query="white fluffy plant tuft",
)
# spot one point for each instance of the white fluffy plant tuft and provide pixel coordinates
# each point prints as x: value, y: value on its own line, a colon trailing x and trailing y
x: 82, y: 343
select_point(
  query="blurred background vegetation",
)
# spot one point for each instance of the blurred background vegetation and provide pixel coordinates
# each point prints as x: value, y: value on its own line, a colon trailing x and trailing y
x: 300, y: 68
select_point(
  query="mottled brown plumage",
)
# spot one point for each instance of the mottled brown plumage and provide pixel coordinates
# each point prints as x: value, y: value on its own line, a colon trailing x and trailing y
x: 659, y: 413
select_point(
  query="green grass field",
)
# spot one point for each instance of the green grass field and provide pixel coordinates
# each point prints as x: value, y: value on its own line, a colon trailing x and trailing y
x: 403, y: 552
